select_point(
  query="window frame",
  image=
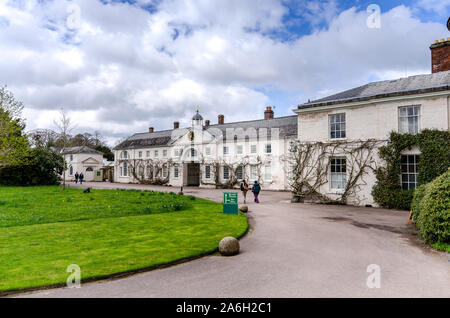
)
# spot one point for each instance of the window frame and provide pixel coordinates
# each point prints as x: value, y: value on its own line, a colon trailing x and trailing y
x: 240, y: 170
x: 341, y: 173
x: 124, y: 170
x: 254, y: 173
x: 330, y: 131
x: 225, y: 168
x: 267, y: 147
x: 408, y: 173
x: 400, y: 117
x: 208, y: 172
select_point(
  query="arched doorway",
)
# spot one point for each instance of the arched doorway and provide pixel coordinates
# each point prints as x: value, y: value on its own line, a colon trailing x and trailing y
x: 193, y: 174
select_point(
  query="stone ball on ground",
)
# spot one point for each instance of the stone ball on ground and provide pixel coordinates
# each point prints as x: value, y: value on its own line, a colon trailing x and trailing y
x: 229, y: 246
x: 243, y: 208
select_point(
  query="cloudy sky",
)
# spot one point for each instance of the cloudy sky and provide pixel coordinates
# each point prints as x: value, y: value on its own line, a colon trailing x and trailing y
x: 119, y: 67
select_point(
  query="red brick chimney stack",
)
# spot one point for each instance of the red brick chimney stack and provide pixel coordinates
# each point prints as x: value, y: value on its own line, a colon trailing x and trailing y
x: 221, y: 119
x: 176, y: 125
x: 268, y: 114
x: 151, y: 129
x: 440, y: 56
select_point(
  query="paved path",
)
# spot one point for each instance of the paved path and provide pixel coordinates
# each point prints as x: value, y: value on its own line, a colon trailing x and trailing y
x: 295, y: 250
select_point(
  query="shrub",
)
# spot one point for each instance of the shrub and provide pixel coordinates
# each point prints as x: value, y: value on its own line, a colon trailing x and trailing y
x: 433, y: 221
x: 43, y: 167
x: 434, y: 147
x: 417, y: 200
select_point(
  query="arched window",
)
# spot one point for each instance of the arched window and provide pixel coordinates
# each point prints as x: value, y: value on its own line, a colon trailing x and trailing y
x: 89, y: 169
x: 71, y: 171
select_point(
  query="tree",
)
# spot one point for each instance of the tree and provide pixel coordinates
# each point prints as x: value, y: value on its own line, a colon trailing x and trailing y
x: 14, y: 144
x: 107, y: 153
x: 43, y: 138
x: 10, y: 105
x: 64, y: 125
x: 43, y: 167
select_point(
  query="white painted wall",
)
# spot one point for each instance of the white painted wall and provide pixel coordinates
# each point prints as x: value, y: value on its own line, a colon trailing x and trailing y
x: 278, y: 167
x: 372, y: 120
x: 79, y: 166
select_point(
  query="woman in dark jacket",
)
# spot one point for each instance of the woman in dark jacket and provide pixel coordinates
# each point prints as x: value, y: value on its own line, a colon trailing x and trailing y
x: 256, y: 189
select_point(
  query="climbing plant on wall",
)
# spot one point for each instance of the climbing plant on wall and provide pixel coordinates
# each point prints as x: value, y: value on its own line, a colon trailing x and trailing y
x: 434, y: 160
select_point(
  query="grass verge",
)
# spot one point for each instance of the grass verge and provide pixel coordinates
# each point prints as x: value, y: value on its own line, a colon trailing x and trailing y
x: 102, y: 244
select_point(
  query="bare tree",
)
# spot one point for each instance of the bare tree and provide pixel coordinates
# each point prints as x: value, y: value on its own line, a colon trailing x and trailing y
x: 64, y: 126
x: 10, y: 105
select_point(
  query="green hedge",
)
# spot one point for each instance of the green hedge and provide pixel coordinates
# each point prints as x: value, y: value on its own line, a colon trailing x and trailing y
x: 43, y: 167
x: 434, y: 147
x: 431, y: 208
x: 417, y: 200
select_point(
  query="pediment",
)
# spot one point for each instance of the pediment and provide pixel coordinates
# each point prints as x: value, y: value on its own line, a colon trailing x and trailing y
x: 185, y: 137
x: 91, y: 161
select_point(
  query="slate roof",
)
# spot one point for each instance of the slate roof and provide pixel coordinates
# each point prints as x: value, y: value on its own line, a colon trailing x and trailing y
x: 404, y: 86
x: 81, y: 149
x: 287, y: 126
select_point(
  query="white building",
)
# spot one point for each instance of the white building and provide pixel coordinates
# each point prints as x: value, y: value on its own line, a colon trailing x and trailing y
x: 371, y: 112
x: 83, y: 160
x: 223, y: 154
x: 208, y: 155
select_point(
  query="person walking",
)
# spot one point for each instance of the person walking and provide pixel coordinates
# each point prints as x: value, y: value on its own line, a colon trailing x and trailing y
x: 81, y: 177
x: 244, y: 189
x: 256, y: 189
x: 76, y: 177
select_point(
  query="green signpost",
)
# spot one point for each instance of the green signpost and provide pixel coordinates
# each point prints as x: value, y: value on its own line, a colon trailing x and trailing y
x: 230, y: 203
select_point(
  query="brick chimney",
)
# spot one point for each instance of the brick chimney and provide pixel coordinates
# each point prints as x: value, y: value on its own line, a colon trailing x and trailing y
x: 151, y: 129
x: 268, y: 114
x: 207, y: 123
x: 440, y: 56
x: 176, y: 125
x: 221, y: 119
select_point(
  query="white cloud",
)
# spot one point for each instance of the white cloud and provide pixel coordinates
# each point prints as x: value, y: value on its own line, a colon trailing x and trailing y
x: 125, y: 69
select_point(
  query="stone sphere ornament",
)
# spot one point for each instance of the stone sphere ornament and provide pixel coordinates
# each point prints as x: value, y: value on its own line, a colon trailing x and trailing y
x: 229, y: 246
x: 243, y: 208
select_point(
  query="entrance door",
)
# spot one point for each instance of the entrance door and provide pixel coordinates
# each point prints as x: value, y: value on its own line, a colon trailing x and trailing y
x: 193, y: 174
x: 89, y: 175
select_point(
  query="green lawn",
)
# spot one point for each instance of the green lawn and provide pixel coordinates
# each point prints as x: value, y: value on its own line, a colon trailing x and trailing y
x: 45, y: 229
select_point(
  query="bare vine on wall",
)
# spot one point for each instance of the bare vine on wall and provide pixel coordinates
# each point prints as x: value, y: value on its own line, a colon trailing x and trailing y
x: 309, y: 164
x: 149, y: 171
x: 218, y: 165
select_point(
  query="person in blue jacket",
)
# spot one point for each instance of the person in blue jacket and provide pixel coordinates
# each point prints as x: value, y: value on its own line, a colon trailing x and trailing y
x: 256, y: 189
